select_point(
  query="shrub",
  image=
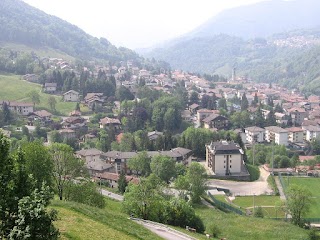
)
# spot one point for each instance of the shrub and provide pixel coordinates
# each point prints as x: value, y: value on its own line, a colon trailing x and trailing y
x: 254, y: 172
x: 213, y: 230
x: 84, y: 193
x: 272, y: 183
x: 258, y: 212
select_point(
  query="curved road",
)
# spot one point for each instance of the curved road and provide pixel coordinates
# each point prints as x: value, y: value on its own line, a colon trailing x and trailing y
x: 161, y: 230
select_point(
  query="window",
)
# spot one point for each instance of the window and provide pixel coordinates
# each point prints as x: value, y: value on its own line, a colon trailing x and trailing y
x: 230, y: 166
x: 230, y: 161
x: 230, y: 156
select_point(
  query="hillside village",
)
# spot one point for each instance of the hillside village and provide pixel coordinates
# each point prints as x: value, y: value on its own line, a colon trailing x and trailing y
x: 287, y: 117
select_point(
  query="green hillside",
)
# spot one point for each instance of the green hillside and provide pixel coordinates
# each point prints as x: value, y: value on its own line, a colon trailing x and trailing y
x: 78, y: 221
x: 14, y: 89
x: 23, y: 24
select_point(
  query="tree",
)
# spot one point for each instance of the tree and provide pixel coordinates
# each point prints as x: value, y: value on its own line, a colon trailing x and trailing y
x: 298, y: 203
x: 7, y: 199
x: 163, y: 167
x: 124, y: 93
x: 255, y: 101
x: 271, y: 119
x: 194, y: 97
x: 65, y: 165
x: 258, y: 212
x: 33, y: 220
x: 34, y: 96
x: 222, y: 103
x: 122, y: 182
x: 6, y: 113
x: 38, y: 163
x: 144, y: 200
x: 52, y: 103
x: 196, y: 178
x: 140, y: 164
x: 244, y: 102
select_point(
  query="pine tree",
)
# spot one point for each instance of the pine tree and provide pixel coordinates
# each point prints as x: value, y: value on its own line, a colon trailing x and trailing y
x: 122, y: 182
x: 244, y: 102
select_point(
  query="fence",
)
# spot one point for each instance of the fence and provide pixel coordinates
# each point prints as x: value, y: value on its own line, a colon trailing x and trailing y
x: 225, y: 205
x: 284, y: 186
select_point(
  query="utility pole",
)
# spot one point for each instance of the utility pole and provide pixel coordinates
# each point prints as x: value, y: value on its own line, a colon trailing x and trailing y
x: 272, y: 156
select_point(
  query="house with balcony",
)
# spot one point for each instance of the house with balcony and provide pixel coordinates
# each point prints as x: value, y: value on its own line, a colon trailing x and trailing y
x: 311, y: 132
x: 225, y: 158
x: 295, y: 135
x: 216, y: 121
x: 277, y: 135
x: 254, y: 134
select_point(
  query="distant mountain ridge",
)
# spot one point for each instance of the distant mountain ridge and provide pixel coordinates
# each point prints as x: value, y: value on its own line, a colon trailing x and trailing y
x: 262, y: 19
x: 289, y: 57
x: 24, y: 24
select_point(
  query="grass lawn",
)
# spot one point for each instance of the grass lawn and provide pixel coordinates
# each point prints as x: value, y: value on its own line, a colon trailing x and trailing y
x: 238, y: 227
x: 313, y: 184
x: 79, y: 221
x: 270, y: 204
x: 14, y: 89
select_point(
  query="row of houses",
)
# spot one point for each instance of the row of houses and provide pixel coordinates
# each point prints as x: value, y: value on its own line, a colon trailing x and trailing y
x: 108, y: 165
x: 280, y: 136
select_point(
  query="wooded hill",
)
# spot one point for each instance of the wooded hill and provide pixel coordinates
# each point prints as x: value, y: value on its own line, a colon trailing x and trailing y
x: 23, y: 24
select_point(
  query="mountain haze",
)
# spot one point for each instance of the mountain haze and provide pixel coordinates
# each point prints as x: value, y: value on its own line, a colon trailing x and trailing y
x: 262, y: 19
x: 274, y: 41
x: 23, y: 24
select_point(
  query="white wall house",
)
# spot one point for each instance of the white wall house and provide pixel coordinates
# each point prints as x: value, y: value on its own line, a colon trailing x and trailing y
x: 254, y: 134
x: 277, y: 135
x: 21, y: 108
x: 312, y: 132
x: 71, y: 96
x: 295, y: 134
x: 224, y: 158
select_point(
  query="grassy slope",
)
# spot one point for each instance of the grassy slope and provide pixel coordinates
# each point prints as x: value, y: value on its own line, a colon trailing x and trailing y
x: 237, y: 227
x: 40, y: 51
x: 313, y: 184
x: 78, y: 221
x: 14, y: 89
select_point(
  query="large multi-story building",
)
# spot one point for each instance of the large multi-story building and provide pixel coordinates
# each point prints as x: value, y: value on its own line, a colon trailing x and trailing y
x: 277, y: 135
x: 224, y: 158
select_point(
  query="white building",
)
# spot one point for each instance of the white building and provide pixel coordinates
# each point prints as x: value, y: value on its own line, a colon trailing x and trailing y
x: 295, y: 135
x: 254, y: 134
x: 71, y: 96
x: 21, y: 108
x: 277, y: 135
x: 312, y: 132
x: 224, y: 158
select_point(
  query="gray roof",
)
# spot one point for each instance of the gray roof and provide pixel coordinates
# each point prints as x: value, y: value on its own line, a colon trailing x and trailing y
x: 276, y: 129
x: 98, y: 165
x: 214, y: 116
x: 224, y: 147
x: 312, y: 128
x: 254, y: 129
x: 173, y: 153
x: 89, y: 152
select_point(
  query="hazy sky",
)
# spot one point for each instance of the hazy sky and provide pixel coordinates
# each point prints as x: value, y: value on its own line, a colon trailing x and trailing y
x: 136, y: 23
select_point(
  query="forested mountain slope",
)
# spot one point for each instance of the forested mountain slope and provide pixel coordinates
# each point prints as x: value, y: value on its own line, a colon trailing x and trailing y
x: 23, y: 24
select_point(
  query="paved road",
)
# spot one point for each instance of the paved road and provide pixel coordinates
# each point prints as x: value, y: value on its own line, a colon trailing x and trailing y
x: 164, y: 231
x: 111, y: 195
x: 245, y: 188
